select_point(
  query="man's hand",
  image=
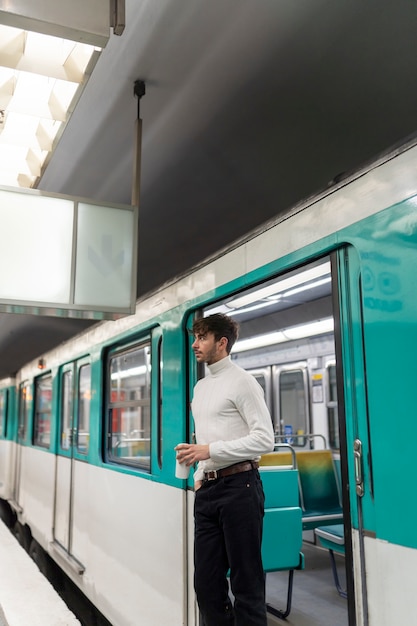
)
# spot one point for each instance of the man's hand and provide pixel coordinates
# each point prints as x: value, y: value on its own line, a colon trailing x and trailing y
x: 190, y: 453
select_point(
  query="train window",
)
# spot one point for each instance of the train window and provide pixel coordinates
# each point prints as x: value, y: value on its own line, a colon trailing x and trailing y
x: 129, y: 406
x: 263, y: 376
x: 332, y: 412
x: 67, y: 401
x: 84, y: 399
x: 25, y: 402
x: 43, y: 410
x: 293, y: 403
x: 261, y: 380
x: 3, y: 404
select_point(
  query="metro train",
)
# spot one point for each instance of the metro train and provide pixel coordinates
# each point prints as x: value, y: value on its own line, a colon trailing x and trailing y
x: 326, y: 300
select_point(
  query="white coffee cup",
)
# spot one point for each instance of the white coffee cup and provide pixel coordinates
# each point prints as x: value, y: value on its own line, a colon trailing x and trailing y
x: 181, y: 470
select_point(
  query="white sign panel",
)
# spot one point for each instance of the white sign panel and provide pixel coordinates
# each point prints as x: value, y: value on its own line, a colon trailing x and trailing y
x: 80, y: 20
x: 66, y: 254
x: 104, y: 256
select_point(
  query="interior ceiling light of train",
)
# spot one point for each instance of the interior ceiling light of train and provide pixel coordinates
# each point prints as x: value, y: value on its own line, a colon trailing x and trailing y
x: 298, y: 289
x: 41, y: 79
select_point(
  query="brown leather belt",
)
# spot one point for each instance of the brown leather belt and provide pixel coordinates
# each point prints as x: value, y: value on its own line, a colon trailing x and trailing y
x: 244, y: 466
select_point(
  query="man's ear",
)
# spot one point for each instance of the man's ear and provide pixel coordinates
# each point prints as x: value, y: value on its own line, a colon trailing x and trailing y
x: 224, y: 342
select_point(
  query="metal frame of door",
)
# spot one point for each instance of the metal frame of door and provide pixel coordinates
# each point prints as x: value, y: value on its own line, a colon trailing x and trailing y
x: 355, y: 451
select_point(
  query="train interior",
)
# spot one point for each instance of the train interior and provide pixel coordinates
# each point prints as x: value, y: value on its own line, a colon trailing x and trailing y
x: 286, y: 341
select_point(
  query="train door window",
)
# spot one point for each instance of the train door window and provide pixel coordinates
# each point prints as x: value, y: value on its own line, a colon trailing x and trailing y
x: 25, y: 403
x: 263, y: 376
x: 3, y: 405
x: 293, y: 403
x: 129, y: 406
x: 67, y: 403
x: 332, y: 411
x: 43, y: 410
x: 261, y: 381
x: 84, y: 399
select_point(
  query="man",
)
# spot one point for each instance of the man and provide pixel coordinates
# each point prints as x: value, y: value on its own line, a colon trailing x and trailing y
x: 233, y: 428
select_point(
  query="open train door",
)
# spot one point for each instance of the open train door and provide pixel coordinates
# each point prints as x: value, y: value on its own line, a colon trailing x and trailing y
x: 356, y: 458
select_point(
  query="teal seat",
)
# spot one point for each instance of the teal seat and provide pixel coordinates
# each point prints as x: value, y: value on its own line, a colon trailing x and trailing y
x: 282, y: 539
x: 319, y: 493
x: 320, y: 498
x: 333, y: 539
x: 282, y: 530
x: 280, y: 486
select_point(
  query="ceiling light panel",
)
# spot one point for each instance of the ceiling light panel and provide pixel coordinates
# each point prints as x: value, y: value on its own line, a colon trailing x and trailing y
x: 41, y: 78
x: 281, y: 286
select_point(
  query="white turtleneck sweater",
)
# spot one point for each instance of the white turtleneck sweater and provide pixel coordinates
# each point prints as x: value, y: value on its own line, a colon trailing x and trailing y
x: 230, y: 415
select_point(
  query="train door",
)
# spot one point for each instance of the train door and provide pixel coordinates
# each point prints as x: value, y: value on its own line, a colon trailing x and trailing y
x: 288, y: 324
x: 356, y: 454
x: 75, y: 386
x: 290, y: 385
x: 25, y: 405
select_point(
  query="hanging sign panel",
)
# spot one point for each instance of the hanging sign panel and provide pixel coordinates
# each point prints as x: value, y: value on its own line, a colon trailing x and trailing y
x: 66, y: 256
x: 80, y: 20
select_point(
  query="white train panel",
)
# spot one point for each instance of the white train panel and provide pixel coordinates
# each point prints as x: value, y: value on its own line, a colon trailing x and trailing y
x: 36, y: 491
x: 7, y: 465
x: 128, y: 533
x: 393, y: 577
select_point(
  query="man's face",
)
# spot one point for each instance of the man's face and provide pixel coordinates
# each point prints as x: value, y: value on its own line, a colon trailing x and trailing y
x: 207, y: 349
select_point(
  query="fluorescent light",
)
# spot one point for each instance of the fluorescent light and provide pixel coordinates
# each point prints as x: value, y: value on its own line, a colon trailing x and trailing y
x: 319, y: 327
x: 254, y: 307
x: 41, y: 77
x: 313, y: 328
x: 281, y: 286
x: 221, y: 308
x: 302, y: 288
x: 133, y: 371
x: 282, y: 296
x: 260, y: 341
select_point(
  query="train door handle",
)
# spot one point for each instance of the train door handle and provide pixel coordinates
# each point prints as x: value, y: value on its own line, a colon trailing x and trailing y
x: 357, y: 456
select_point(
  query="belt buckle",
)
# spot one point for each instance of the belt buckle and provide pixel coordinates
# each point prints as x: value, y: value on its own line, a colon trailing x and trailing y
x: 211, y: 475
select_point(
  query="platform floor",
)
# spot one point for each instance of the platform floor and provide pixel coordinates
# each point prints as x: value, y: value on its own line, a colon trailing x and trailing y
x: 315, y: 600
x: 27, y: 598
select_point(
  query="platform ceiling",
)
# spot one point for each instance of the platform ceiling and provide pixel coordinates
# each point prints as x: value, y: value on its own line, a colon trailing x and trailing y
x: 250, y: 106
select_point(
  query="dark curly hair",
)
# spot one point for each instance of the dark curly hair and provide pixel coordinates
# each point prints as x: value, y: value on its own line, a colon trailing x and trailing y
x: 220, y: 325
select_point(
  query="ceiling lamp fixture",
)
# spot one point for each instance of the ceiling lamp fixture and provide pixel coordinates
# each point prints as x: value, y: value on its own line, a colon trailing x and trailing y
x: 283, y: 286
x: 292, y: 333
x: 41, y: 79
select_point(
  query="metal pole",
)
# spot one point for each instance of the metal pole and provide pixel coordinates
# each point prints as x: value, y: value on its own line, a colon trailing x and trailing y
x: 139, y: 91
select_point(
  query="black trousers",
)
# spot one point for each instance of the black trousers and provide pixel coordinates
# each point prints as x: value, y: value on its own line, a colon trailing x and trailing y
x: 228, y: 535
